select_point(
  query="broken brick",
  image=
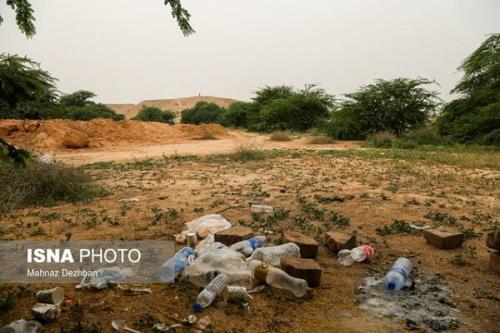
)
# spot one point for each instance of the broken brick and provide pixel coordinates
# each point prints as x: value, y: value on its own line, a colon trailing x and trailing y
x: 306, y: 269
x: 337, y: 241
x: 308, y: 246
x: 233, y: 235
x: 493, y: 240
x: 495, y: 261
x: 443, y: 238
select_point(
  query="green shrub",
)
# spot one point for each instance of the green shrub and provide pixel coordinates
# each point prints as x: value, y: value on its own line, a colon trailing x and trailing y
x: 381, y: 140
x: 242, y: 114
x: 248, y: 153
x: 280, y: 136
x: 203, y: 113
x: 156, y: 115
x: 424, y: 136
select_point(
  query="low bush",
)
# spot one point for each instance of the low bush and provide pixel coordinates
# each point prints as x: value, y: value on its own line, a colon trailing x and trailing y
x: 203, y: 113
x: 381, y: 140
x: 156, y: 115
x: 248, y: 153
x: 319, y: 140
x: 280, y: 136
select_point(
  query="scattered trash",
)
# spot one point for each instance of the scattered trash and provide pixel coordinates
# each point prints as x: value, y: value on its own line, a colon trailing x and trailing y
x: 426, y: 306
x: 191, y: 319
x: 128, y: 200
x: 191, y: 239
x: 119, y: 325
x: 103, y: 278
x: 420, y: 227
x: 173, y: 267
x: 399, y: 275
x: 207, y: 295
x: 261, y: 209
x: 47, y: 158
x: 277, y: 278
x: 208, y: 224
x: 22, y: 326
x: 134, y: 291
x: 272, y: 255
x: 358, y: 254
x: 46, y: 312
x: 51, y: 296
x: 247, y: 247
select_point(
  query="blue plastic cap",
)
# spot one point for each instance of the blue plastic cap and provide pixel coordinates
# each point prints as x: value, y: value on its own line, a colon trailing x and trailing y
x: 255, y: 243
x: 391, y: 286
x: 197, y: 307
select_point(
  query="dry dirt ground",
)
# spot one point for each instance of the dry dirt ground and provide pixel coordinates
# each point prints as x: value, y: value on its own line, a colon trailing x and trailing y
x: 372, y: 189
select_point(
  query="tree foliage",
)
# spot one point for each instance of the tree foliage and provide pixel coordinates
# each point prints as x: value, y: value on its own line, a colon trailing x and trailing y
x: 78, y: 98
x: 155, y: 114
x: 25, y: 18
x: 475, y: 115
x: 395, y: 106
x: 202, y: 113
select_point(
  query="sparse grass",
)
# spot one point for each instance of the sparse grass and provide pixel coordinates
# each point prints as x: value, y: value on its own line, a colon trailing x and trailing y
x: 398, y: 227
x: 44, y: 184
x: 280, y: 136
x: 319, y: 140
x: 247, y: 153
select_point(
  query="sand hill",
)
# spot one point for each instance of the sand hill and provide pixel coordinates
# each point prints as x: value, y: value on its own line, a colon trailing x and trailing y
x: 176, y: 104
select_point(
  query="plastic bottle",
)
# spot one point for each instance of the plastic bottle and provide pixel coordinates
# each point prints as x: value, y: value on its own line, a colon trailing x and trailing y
x: 247, y: 247
x: 358, y: 254
x: 261, y: 209
x: 277, y: 278
x: 22, y: 326
x: 207, y: 295
x: 396, y: 278
x: 272, y: 255
x: 173, y: 267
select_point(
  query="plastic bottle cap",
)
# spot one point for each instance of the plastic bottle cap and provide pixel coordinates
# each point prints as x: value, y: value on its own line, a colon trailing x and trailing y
x: 197, y: 307
x: 391, y: 286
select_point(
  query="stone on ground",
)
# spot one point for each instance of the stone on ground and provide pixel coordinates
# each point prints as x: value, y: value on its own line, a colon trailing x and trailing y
x: 443, y: 238
x: 306, y: 269
x: 233, y: 235
x: 337, y: 241
x: 493, y: 240
x: 308, y: 246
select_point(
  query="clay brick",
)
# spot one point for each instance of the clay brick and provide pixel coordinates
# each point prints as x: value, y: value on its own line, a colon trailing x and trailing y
x: 444, y: 239
x: 493, y: 240
x: 233, y: 235
x: 337, y: 241
x: 495, y: 261
x: 306, y: 269
x: 308, y: 246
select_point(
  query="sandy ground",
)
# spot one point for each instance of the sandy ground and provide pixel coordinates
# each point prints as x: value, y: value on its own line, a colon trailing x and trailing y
x: 234, y: 140
x: 374, y: 193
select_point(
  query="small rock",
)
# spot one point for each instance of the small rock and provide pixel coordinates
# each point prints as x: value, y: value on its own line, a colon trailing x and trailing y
x: 337, y: 241
x: 46, y: 312
x: 306, y: 269
x: 495, y: 261
x: 233, y: 235
x: 444, y: 239
x: 308, y: 246
x: 493, y: 240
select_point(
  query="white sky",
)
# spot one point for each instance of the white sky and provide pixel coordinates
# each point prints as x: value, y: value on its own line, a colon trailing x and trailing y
x: 130, y: 50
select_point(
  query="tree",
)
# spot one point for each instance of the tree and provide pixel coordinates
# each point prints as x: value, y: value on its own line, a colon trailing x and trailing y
x: 202, y: 113
x: 155, y: 114
x: 395, y: 106
x: 78, y: 98
x: 25, y: 18
x: 475, y: 115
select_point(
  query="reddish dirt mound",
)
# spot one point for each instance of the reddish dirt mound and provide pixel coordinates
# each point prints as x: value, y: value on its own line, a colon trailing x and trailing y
x: 66, y: 134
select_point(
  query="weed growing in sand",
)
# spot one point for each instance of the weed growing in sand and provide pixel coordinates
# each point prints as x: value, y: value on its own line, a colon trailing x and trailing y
x: 398, y: 227
x: 280, y: 136
x: 338, y: 219
x: 441, y: 218
x: 319, y: 140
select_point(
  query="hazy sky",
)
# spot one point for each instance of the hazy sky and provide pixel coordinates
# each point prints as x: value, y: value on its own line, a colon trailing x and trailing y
x: 130, y: 50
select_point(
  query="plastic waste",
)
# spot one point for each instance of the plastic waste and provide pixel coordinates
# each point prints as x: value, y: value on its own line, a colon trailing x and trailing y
x: 47, y: 159
x: 247, y: 247
x: 51, y: 296
x: 207, y: 245
x: 173, y: 267
x: 277, y: 278
x: 272, y: 255
x: 207, y: 295
x: 46, y: 312
x: 103, y: 277
x: 208, y: 224
x: 22, y: 326
x: 119, y: 325
x: 261, y: 209
x: 358, y: 254
x: 398, y: 275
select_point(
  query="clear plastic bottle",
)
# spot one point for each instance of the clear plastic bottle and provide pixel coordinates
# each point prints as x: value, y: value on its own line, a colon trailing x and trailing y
x: 277, y: 278
x: 207, y: 295
x: 22, y: 326
x: 397, y: 277
x: 247, y: 247
x: 358, y: 254
x: 173, y: 267
x: 261, y: 209
x: 272, y: 255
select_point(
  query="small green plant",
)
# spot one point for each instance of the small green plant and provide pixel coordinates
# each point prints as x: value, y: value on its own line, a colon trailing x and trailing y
x: 39, y: 231
x: 248, y: 153
x: 441, y: 218
x: 459, y: 260
x: 280, y: 136
x: 339, y: 220
x: 397, y: 227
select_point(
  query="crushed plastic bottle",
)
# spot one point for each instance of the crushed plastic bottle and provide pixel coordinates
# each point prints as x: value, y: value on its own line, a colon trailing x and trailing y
x: 207, y: 295
x: 208, y: 225
x: 22, y: 326
x: 272, y: 255
x: 358, y: 254
x: 104, y: 277
x: 173, y: 267
x: 261, y: 209
x: 277, y: 278
x: 208, y: 245
x: 398, y: 275
x: 247, y: 247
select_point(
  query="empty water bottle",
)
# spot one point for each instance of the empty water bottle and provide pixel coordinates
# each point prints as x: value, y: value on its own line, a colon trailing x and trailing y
x: 207, y: 295
x: 247, y: 247
x: 397, y: 277
x: 277, y: 278
x: 22, y: 326
x: 358, y: 254
x: 272, y: 255
x: 173, y: 267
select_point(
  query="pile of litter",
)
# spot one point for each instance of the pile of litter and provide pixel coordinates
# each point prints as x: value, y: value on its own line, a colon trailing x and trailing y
x: 425, y: 304
x: 57, y: 134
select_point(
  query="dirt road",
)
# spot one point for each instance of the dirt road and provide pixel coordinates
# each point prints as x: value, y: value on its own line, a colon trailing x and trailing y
x: 191, y: 147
